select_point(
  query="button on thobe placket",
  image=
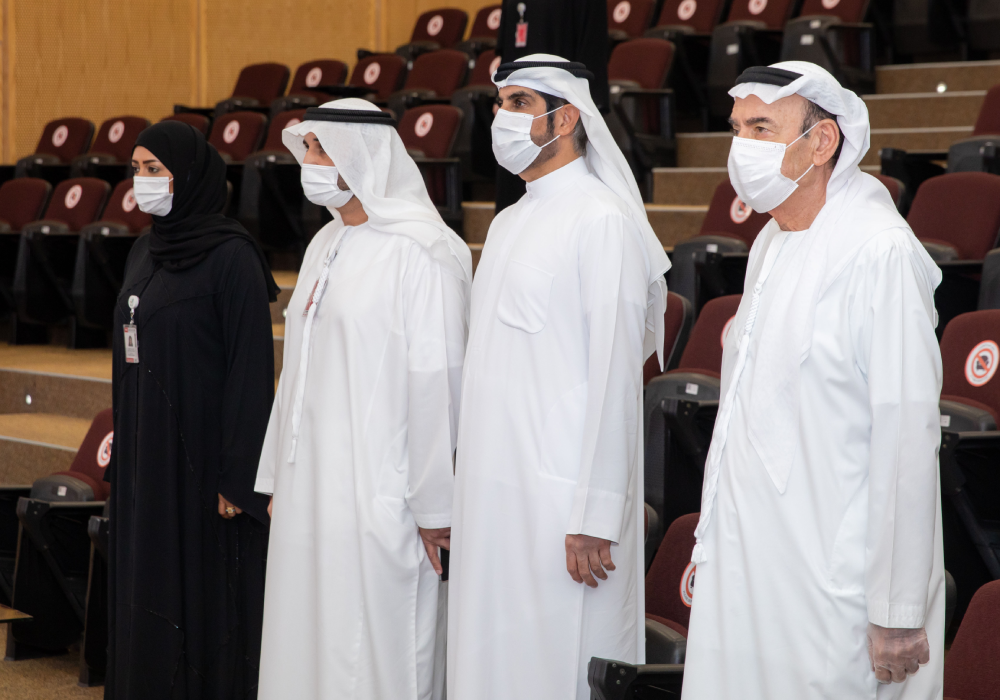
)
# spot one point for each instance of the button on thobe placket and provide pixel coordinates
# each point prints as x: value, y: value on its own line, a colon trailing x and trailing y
x: 305, y: 350
x: 721, y: 431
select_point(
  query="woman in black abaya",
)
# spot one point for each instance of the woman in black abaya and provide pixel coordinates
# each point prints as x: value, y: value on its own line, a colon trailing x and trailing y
x: 188, y: 534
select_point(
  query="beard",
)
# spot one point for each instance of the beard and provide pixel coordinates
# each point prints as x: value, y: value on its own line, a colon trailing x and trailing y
x: 548, y: 152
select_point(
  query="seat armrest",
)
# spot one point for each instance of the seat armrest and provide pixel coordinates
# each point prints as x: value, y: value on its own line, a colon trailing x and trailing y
x: 203, y: 111
x: 616, y: 680
x: 664, y: 645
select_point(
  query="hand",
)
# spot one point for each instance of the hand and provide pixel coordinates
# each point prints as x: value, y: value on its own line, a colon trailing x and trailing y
x: 896, y: 653
x: 270, y: 504
x: 440, y: 537
x: 223, y: 504
x: 587, y: 557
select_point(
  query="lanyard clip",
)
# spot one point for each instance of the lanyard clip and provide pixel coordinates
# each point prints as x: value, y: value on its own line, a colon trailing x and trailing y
x: 133, y: 302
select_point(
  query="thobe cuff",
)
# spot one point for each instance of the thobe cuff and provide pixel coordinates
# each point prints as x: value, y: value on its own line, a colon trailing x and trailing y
x: 597, y: 513
x: 896, y: 615
x: 264, y: 486
x: 433, y: 521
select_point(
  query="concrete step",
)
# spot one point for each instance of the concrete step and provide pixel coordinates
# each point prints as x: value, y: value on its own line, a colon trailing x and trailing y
x: 33, y: 445
x: 476, y: 220
x: 286, y: 280
x: 927, y: 139
x: 50, y: 379
x: 707, y: 150
x: 937, y: 77
x: 924, y: 109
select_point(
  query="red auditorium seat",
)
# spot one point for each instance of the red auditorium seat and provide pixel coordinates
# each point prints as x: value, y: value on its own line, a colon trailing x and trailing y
x: 483, y: 70
x: 46, y: 257
x: 980, y: 152
x: 970, y: 400
x: 238, y: 134
x: 62, y: 140
x: 957, y: 216
x: 751, y: 35
x: 281, y: 122
x: 483, y: 34
x: 53, y: 556
x: 259, y: 84
x: 644, y: 62
x: 383, y: 74
x: 972, y: 666
x: 100, y: 259
x: 670, y: 579
x: 697, y: 17
x: 628, y: 19
x: 434, y: 76
x: 429, y: 133
x: 22, y: 200
x: 110, y: 156
x: 677, y: 322
x: 831, y: 35
x: 434, y: 30
x: 198, y: 121
x: 308, y: 85
x: 897, y: 190
x: 680, y: 407
x: 730, y: 226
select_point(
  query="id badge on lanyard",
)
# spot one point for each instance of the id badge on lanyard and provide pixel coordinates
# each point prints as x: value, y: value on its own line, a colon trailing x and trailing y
x: 132, y: 334
x: 521, y: 30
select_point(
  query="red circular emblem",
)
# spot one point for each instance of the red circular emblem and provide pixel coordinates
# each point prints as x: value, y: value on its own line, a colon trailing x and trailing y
x: 116, y: 131
x: 104, y: 451
x: 622, y: 11
x: 981, y: 364
x: 231, y: 131
x: 686, y: 10
x: 738, y: 211
x: 434, y: 25
x: 128, y: 201
x: 687, y: 584
x: 60, y: 135
x: 757, y: 6
x: 372, y: 72
x: 73, y: 196
x: 424, y: 123
x: 314, y: 76
x: 493, y: 21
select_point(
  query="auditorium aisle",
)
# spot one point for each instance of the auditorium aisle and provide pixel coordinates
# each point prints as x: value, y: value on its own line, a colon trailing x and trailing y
x: 54, y: 678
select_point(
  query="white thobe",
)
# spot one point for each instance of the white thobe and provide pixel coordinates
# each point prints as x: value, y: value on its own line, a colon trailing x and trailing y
x: 549, y: 445
x: 351, y: 601
x: 792, y: 579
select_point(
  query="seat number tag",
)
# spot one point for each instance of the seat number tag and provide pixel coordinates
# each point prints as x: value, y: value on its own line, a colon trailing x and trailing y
x: 131, y: 344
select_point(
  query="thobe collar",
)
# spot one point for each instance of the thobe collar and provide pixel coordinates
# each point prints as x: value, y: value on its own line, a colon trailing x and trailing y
x: 558, y: 180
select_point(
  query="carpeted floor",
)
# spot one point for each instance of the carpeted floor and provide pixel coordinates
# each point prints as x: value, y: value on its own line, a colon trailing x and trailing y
x: 43, y: 679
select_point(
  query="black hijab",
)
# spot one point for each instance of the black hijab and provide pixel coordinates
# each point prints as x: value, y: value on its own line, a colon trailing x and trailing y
x: 195, y: 224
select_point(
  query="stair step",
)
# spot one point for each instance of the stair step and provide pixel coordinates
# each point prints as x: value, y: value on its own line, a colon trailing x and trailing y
x: 924, y: 109
x: 926, y: 77
x: 286, y: 281
x: 476, y: 220
x: 686, y: 185
x: 707, y: 150
x: 673, y: 223
x: 49, y: 379
x: 33, y: 445
x: 927, y: 139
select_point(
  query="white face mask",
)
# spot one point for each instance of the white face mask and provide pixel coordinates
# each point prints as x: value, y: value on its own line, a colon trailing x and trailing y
x: 153, y: 194
x: 755, y: 172
x: 512, y: 144
x: 319, y: 182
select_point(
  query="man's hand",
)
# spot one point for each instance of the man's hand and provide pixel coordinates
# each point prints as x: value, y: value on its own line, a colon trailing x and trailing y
x: 440, y: 537
x: 226, y: 509
x: 587, y: 557
x: 896, y: 653
x: 270, y: 504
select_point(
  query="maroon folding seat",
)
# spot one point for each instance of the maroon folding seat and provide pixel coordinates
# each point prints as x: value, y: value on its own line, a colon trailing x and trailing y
x: 308, y: 83
x: 437, y: 29
x: 53, y: 552
x: 122, y: 210
x: 751, y: 35
x: 110, y: 156
x: 830, y: 34
x: 62, y: 140
x: 261, y: 83
x: 730, y: 226
x: 644, y: 63
x: 22, y: 200
x: 972, y: 666
x: 957, y: 216
x: 482, y: 72
x: 429, y: 133
x: 897, y: 190
x: 677, y: 322
x: 679, y: 408
x: 697, y: 17
x: 981, y: 151
x: 988, y: 120
x: 970, y: 400
x: 382, y: 73
x: 238, y: 134
x: 198, y: 121
x: 670, y: 579
x: 281, y: 122
x: 435, y: 76
x: 628, y: 19
x: 74, y: 204
x: 483, y: 34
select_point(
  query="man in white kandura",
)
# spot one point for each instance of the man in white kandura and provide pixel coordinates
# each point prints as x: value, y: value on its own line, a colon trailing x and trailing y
x: 358, y: 453
x: 820, y: 571
x: 568, y: 301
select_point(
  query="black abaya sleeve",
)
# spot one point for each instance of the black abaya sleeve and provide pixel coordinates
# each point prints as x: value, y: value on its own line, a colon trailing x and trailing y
x: 592, y: 48
x: 249, y: 388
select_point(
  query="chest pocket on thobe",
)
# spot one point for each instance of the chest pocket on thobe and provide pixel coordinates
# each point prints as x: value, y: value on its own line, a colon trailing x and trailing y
x: 524, y: 298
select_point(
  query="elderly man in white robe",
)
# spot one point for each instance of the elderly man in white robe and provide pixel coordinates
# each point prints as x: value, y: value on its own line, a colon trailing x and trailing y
x: 359, y: 449
x: 819, y: 558
x: 568, y: 301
